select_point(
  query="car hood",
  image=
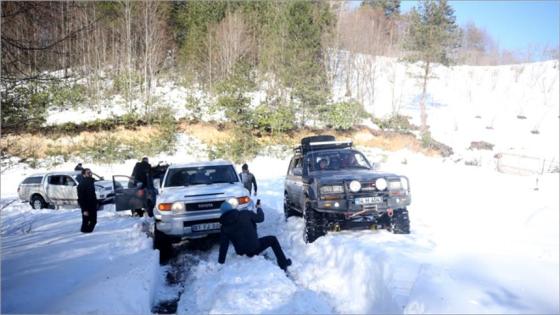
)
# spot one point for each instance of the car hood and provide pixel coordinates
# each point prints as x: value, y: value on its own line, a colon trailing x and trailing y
x: 348, y: 175
x: 104, y: 183
x: 202, y: 192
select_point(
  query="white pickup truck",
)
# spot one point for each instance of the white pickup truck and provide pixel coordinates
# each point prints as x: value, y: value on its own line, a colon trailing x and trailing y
x: 54, y: 189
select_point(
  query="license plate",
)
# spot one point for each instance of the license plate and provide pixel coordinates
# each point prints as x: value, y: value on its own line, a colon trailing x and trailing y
x: 368, y: 200
x: 205, y: 227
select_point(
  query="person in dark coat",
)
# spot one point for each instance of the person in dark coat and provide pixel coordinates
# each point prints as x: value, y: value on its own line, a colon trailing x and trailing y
x: 79, y: 167
x: 87, y: 201
x: 141, y: 172
x: 240, y: 228
x: 248, y: 179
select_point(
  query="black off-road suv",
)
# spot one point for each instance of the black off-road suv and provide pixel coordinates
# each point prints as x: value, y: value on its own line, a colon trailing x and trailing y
x: 334, y: 187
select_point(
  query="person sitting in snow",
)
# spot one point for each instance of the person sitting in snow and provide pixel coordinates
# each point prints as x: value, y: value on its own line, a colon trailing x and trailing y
x: 240, y: 227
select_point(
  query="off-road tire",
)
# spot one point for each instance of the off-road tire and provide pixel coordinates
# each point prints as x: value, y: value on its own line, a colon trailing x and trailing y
x: 37, y: 202
x: 288, y: 211
x: 400, y: 223
x: 315, y: 226
x: 163, y: 244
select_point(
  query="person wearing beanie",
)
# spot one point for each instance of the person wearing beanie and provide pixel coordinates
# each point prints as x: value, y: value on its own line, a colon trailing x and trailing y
x: 240, y: 228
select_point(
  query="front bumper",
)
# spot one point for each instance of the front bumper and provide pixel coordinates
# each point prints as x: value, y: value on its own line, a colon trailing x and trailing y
x: 348, y: 204
x: 180, y: 225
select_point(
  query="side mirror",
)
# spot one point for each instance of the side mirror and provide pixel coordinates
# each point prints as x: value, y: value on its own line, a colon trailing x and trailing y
x: 139, y: 185
x: 157, y: 182
x: 297, y: 171
x: 101, y: 178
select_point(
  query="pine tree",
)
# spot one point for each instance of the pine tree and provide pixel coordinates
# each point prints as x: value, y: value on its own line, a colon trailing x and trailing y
x: 391, y: 8
x: 432, y: 38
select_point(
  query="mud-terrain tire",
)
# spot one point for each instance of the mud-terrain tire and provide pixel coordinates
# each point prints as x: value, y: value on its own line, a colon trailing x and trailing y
x: 288, y: 211
x: 163, y: 244
x: 37, y: 202
x: 315, y: 226
x: 400, y: 223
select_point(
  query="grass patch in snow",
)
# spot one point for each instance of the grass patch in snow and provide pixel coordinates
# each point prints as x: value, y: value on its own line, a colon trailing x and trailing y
x: 93, y: 146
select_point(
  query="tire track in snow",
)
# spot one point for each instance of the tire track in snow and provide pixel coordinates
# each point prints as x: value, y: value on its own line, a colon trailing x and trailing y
x: 175, y: 274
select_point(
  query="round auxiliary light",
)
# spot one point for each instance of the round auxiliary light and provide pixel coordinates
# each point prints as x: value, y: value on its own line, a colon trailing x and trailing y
x: 355, y: 186
x: 381, y: 184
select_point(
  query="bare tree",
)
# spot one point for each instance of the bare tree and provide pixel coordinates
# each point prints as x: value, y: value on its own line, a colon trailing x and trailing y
x: 234, y: 41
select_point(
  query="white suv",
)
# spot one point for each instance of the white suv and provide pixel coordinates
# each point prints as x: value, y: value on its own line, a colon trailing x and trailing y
x: 189, y: 199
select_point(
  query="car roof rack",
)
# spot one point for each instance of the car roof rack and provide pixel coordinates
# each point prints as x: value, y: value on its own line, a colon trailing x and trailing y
x: 317, y: 143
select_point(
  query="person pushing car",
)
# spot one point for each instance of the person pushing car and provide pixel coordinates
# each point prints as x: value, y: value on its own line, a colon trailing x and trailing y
x: 240, y: 228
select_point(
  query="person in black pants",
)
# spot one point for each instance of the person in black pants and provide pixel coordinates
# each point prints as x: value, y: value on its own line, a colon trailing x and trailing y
x: 240, y: 227
x: 87, y: 201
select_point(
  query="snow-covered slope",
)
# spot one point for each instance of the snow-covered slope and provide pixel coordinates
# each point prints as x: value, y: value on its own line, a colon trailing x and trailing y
x: 465, y: 103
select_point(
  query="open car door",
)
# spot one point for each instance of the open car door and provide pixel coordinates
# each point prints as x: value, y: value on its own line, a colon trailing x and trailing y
x: 127, y: 195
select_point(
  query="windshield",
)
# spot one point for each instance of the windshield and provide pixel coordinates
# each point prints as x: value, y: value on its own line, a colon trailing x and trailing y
x: 202, y: 175
x: 337, y: 160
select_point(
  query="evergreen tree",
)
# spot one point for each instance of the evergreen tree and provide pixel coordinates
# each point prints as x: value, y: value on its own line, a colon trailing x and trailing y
x: 391, y: 8
x: 432, y: 38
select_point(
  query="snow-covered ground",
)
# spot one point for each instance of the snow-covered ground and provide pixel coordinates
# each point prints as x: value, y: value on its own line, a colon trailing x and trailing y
x: 480, y: 242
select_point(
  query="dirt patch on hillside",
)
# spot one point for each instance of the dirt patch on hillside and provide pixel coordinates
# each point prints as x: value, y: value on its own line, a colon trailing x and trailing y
x: 385, y: 140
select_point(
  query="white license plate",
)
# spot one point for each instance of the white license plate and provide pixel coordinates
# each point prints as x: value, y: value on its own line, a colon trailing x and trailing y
x: 368, y: 200
x: 205, y: 227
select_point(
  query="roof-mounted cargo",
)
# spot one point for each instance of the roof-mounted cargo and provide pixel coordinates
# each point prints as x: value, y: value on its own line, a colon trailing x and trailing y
x: 322, y: 142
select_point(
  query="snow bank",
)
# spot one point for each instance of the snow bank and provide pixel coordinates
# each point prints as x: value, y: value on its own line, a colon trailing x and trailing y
x: 49, y: 266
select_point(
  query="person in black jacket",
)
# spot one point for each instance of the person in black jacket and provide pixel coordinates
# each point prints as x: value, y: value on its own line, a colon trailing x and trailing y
x: 141, y: 172
x: 87, y: 201
x: 240, y: 227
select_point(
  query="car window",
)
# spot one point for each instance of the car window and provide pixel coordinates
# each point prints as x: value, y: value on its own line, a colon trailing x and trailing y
x: 33, y: 180
x: 55, y: 180
x: 296, y: 166
x: 68, y: 181
x: 337, y: 160
x: 202, y: 175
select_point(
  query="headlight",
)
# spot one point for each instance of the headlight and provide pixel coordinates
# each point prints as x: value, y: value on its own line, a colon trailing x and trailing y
x: 381, y: 184
x: 233, y: 202
x: 99, y: 189
x: 334, y: 189
x: 395, y: 185
x: 178, y: 207
x: 355, y: 186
